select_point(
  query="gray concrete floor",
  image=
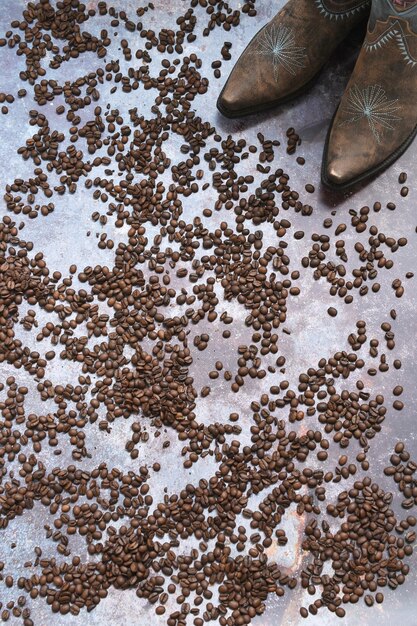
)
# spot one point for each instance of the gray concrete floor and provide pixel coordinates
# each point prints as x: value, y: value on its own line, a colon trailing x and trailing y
x: 62, y: 236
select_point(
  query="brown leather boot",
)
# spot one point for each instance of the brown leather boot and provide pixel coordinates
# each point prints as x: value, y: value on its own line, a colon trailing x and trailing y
x: 286, y: 55
x: 377, y: 117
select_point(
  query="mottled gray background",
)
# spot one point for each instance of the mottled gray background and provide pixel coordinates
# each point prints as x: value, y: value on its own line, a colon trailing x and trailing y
x: 62, y: 236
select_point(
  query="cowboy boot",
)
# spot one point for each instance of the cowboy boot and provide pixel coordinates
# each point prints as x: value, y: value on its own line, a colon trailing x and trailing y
x: 286, y: 55
x: 377, y: 117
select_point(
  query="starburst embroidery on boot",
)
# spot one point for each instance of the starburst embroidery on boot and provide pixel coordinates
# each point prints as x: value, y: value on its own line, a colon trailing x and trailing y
x: 278, y: 43
x: 372, y: 104
x: 339, y: 15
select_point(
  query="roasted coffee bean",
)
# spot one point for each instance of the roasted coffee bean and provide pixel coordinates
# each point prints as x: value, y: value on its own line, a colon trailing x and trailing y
x: 133, y: 326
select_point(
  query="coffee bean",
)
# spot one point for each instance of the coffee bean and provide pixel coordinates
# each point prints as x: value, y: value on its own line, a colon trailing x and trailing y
x: 135, y: 329
x: 340, y: 229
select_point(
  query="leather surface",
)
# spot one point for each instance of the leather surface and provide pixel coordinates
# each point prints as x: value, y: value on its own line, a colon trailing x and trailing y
x: 378, y: 110
x: 289, y: 51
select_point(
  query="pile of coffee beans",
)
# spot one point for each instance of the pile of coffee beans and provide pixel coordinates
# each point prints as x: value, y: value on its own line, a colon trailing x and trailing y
x: 402, y: 469
x: 142, y: 333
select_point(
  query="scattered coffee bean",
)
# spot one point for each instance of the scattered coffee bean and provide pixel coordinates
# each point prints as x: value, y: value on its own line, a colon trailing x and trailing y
x: 136, y: 328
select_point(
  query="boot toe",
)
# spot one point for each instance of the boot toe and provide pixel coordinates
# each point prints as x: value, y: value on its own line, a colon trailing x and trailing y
x: 345, y: 169
x: 349, y: 157
x: 242, y: 94
x: 228, y: 102
x: 335, y: 173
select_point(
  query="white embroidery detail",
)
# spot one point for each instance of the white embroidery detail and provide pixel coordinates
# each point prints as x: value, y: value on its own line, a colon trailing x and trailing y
x: 372, y: 104
x: 331, y: 15
x: 394, y: 31
x: 278, y: 42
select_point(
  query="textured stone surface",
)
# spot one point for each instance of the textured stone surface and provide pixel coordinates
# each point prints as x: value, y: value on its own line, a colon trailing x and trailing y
x: 62, y: 236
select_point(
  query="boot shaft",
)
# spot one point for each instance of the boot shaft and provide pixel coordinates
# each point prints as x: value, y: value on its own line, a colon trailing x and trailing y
x: 342, y: 9
x: 387, y: 10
